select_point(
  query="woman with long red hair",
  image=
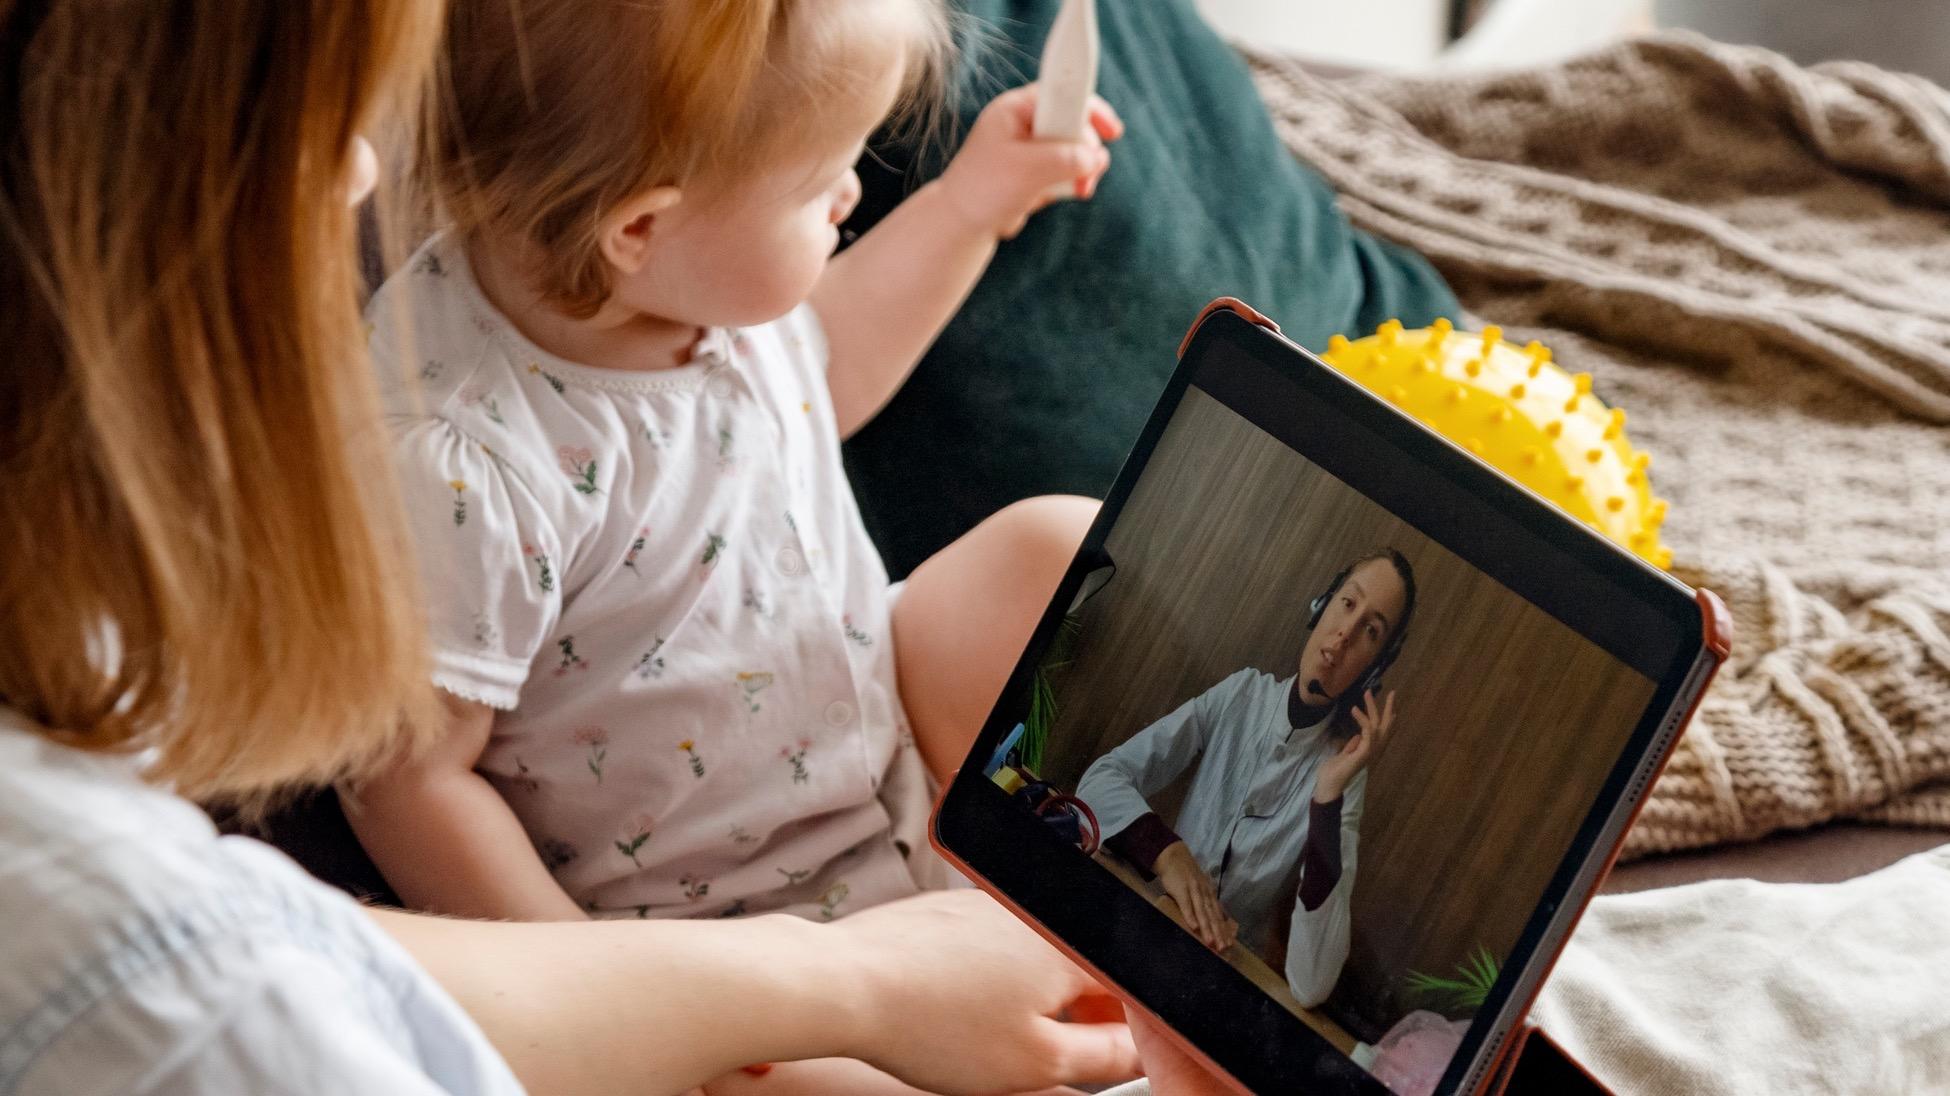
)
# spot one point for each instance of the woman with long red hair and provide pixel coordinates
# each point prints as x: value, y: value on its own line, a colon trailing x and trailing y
x: 206, y: 596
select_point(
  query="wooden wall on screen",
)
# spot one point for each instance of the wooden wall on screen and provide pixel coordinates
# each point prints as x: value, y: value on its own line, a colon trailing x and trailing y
x: 1508, y: 722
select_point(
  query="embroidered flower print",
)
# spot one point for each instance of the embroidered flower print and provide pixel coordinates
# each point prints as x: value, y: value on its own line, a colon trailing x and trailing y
x: 579, y: 465
x: 597, y: 740
x: 431, y: 371
x: 657, y: 436
x: 724, y: 445
x: 554, y: 381
x: 485, y: 633
x: 476, y: 396
x: 752, y: 683
x: 829, y: 903
x: 460, y: 500
x: 694, y: 887
x: 556, y: 853
x: 742, y: 836
x: 757, y: 602
x: 570, y: 660
x: 713, y: 548
x: 794, y: 878
x: 632, y: 841
x: 797, y: 759
x: 494, y: 456
x: 430, y: 265
x: 855, y: 634
x: 689, y: 749
x: 736, y: 909
x: 524, y: 779
x: 636, y: 548
x: 544, y: 574
x: 651, y: 664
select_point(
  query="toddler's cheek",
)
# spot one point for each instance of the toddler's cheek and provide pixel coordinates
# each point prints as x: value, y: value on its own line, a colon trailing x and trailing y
x: 775, y: 284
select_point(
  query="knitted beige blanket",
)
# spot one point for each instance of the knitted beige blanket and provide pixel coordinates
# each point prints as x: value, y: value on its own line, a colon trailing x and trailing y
x: 1754, y: 260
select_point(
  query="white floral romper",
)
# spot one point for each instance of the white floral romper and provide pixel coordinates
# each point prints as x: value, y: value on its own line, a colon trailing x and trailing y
x: 662, y: 581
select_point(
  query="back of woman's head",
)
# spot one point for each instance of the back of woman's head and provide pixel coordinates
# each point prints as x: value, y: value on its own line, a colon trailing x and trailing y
x: 200, y: 550
x: 550, y: 113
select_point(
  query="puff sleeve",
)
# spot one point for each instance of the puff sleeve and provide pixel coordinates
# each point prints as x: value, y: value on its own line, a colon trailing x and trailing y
x: 491, y: 560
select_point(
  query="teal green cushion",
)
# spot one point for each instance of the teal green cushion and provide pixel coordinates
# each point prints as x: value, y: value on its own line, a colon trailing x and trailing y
x: 1044, y: 379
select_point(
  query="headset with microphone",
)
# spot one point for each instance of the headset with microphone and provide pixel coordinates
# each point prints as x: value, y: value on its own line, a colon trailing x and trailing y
x: 1317, y: 608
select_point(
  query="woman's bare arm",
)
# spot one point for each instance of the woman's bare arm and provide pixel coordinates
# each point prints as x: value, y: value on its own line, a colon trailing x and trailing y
x: 947, y: 991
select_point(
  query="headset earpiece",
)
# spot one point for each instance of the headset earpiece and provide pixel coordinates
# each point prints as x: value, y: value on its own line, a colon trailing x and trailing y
x: 1372, y: 679
x: 1318, y: 606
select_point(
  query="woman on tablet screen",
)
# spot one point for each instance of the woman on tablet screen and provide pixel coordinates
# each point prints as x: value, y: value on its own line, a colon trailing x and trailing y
x: 1272, y: 819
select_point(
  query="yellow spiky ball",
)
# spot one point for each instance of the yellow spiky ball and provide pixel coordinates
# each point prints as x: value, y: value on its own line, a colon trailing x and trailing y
x: 1521, y: 414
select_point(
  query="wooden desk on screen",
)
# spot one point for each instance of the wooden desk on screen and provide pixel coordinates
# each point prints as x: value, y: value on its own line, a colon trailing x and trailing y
x: 1241, y: 958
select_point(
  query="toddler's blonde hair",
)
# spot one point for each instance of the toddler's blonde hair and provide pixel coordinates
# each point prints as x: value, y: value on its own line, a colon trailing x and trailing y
x: 552, y: 112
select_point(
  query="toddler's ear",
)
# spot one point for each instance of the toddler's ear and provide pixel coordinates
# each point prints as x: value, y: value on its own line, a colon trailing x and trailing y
x: 627, y: 229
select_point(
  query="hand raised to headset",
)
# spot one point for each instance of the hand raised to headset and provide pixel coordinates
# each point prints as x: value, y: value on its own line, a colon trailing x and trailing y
x: 1375, y: 718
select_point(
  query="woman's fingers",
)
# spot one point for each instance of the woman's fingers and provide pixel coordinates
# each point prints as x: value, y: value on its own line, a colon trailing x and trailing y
x: 1384, y: 725
x: 1208, y: 926
x: 1091, y: 1054
x: 1185, y: 893
x: 1191, y: 903
x: 1228, y: 931
x: 1215, y: 918
x: 1171, y: 1071
x: 1197, y: 898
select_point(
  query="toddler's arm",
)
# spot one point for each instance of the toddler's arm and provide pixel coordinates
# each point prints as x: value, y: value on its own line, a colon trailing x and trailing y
x: 447, y: 841
x: 812, y: 1077
x: 883, y: 300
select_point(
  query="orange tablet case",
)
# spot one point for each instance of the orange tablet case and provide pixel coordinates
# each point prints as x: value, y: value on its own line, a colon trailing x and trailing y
x: 1530, y: 1062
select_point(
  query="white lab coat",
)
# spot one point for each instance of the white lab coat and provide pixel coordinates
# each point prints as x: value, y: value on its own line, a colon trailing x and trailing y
x: 1245, y: 818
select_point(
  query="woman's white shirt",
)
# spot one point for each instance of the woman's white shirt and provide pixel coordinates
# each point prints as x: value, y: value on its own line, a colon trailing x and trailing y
x: 1246, y: 815
x: 142, y: 954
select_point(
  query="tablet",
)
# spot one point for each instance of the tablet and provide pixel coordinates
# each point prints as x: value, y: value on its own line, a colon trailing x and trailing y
x: 1329, y: 733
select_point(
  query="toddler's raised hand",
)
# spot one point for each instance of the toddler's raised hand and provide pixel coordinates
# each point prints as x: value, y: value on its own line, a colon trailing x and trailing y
x: 1004, y: 173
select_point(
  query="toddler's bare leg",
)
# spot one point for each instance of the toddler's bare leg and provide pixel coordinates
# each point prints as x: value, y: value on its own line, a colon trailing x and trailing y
x: 966, y: 613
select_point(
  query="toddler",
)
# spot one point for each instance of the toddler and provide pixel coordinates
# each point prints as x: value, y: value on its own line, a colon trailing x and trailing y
x: 674, y: 667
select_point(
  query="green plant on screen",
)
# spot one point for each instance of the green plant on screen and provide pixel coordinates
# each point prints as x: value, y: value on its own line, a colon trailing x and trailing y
x: 1467, y: 991
x: 1036, y: 726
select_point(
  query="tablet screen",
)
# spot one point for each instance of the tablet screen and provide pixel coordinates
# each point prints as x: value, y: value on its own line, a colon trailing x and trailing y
x: 1335, y: 752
